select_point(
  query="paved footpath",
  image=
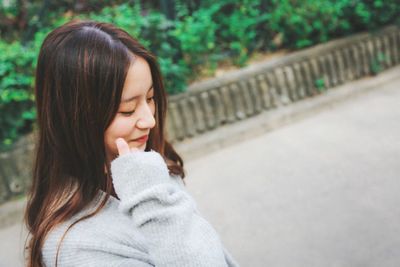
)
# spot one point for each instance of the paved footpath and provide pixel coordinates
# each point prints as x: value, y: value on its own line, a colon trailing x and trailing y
x: 322, y: 191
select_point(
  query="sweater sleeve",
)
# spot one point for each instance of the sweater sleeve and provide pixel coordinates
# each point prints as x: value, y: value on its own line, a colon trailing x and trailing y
x: 165, y: 213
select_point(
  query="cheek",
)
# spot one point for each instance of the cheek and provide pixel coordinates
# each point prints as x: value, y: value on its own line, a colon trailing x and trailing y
x: 120, y: 127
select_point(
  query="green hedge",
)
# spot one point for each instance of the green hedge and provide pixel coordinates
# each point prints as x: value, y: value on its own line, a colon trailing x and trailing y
x: 203, y: 34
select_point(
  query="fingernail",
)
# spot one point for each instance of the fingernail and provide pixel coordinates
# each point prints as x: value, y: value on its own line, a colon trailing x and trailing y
x: 119, y: 141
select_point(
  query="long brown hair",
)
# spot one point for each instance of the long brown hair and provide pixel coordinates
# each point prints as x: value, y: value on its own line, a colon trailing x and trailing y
x: 80, y: 74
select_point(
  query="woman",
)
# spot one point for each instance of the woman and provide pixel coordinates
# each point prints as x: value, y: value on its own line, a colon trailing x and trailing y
x: 107, y: 187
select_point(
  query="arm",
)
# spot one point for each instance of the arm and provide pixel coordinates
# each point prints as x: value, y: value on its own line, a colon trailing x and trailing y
x: 164, y: 212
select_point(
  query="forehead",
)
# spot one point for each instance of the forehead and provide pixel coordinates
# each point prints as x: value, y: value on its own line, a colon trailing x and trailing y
x: 138, y: 79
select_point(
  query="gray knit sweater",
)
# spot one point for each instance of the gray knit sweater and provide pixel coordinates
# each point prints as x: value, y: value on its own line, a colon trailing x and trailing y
x: 155, y: 223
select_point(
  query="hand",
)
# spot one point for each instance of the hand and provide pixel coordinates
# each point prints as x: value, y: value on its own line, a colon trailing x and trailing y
x: 123, y: 147
x: 134, y: 169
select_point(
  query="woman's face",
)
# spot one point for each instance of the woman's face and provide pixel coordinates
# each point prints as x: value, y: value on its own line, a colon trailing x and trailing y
x: 135, y: 116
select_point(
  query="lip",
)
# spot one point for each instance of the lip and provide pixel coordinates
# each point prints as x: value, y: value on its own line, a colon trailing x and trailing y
x: 141, y: 139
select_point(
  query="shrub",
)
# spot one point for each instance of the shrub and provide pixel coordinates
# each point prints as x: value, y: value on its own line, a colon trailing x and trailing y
x: 237, y: 31
x: 16, y: 98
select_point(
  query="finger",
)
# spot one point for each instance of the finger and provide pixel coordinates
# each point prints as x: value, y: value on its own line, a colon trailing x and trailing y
x: 122, y: 146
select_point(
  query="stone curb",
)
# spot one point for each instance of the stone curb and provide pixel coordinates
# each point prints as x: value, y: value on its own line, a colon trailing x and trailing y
x: 244, y: 93
x: 269, y: 120
x: 190, y: 149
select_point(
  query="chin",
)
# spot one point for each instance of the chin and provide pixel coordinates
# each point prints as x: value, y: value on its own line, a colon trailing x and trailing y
x: 141, y: 147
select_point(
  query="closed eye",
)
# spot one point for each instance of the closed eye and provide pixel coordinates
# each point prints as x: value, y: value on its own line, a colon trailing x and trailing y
x: 128, y: 113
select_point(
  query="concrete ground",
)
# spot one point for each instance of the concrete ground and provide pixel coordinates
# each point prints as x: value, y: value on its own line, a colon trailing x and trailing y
x: 12, y: 240
x: 320, y: 191
x: 323, y: 191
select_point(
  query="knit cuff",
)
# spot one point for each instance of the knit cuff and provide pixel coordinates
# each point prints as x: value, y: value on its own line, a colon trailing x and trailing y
x: 137, y: 171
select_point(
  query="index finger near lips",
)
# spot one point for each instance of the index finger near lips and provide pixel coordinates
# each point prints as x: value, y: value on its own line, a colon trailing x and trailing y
x: 122, y: 146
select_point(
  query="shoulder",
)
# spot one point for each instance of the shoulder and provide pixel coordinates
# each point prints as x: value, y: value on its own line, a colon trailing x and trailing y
x: 107, y: 236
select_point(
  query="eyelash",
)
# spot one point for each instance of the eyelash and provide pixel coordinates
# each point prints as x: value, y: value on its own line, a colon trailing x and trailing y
x: 133, y: 111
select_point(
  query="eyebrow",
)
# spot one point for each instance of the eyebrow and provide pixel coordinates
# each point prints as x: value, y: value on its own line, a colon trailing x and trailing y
x: 135, y: 97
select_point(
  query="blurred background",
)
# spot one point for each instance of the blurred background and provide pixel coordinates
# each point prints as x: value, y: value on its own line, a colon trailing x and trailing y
x: 318, y: 190
x: 192, y: 39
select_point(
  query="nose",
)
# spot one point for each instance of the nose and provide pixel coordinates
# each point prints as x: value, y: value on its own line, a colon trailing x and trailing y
x: 146, y: 118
